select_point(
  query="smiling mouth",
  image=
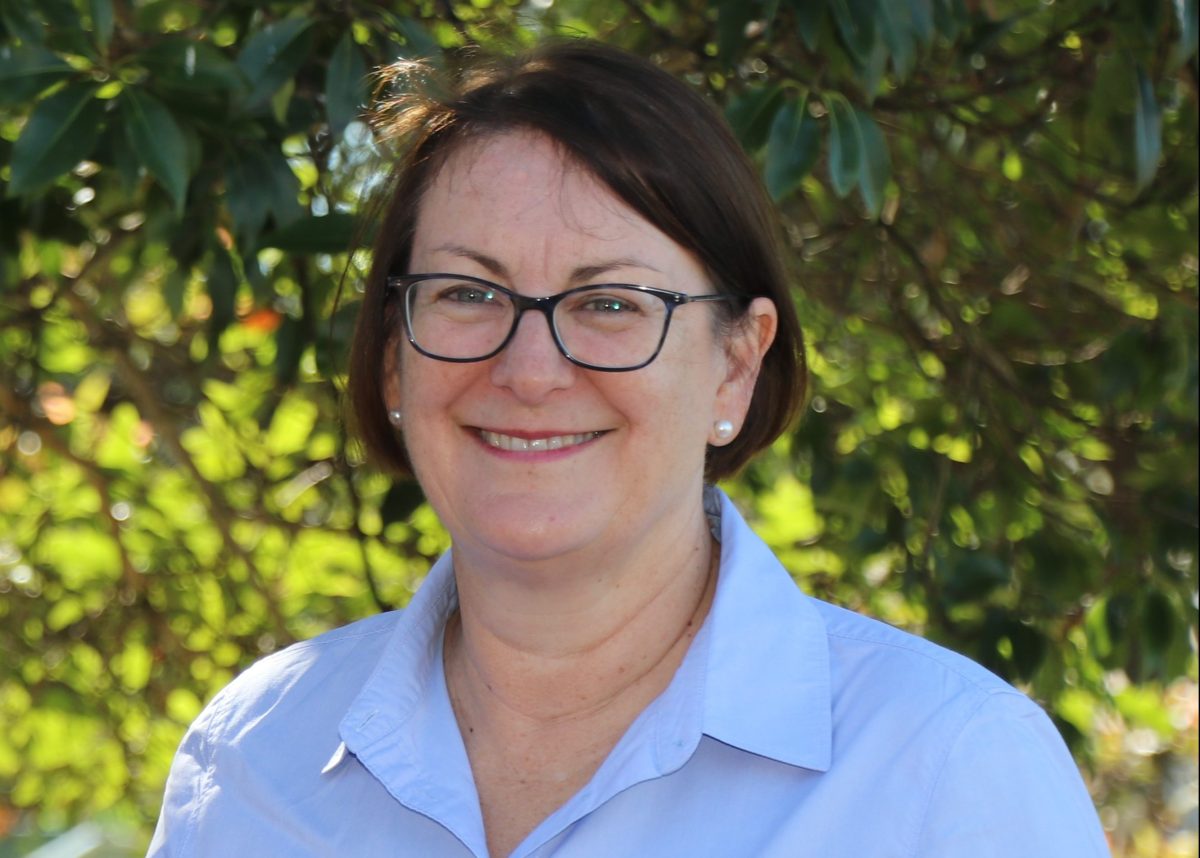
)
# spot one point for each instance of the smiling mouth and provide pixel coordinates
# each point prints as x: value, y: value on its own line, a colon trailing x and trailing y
x: 534, y: 445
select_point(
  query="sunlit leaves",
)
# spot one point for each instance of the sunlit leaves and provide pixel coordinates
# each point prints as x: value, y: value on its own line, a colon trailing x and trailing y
x: 999, y: 450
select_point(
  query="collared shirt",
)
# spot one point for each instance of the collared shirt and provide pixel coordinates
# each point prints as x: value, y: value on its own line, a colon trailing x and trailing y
x: 791, y: 728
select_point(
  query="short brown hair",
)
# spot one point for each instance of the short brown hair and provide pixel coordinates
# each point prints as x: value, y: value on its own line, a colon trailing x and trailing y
x: 652, y: 140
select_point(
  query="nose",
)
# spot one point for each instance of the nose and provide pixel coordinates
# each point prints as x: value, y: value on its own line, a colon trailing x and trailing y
x: 531, y: 366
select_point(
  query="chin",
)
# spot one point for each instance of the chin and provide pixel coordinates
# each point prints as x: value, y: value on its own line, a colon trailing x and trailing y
x: 532, y: 531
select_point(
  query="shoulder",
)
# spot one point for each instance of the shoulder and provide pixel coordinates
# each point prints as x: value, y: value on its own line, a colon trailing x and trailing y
x: 861, y: 643
x: 885, y: 679
x: 319, y: 676
x: 985, y: 768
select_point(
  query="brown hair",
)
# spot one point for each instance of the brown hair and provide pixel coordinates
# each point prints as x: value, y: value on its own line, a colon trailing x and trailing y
x: 657, y: 145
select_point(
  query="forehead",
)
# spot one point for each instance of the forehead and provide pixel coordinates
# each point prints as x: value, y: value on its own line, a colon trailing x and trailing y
x: 521, y: 179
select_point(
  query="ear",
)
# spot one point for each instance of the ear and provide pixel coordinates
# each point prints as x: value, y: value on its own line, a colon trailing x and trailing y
x: 746, y: 345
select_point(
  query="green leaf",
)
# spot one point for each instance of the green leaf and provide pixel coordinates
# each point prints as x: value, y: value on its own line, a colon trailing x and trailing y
x: 792, y: 148
x: 158, y: 142
x: 270, y: 58
x: 875, y: 165
x: 332, y: 233
x: 920, y: 14
x: 189, y: 65
x: 418, y: 43
x: 222, y: 291
x: 949, y: 18
x: 259, y: 183
x: 751, y: 113
x: 808, y: 21
x: 20, y: 20
x: 290, y: 341
x: 844, y: 153
x: 102, y: 23
x: 855, y: 21
x: 732, y: 18
x: 345, y: 85
x: 896, y: 28
x: 1186, y: 18
x: 26, y: 70
x: 61, y: 131
x: 972, y: 575
x: 1147, y: 129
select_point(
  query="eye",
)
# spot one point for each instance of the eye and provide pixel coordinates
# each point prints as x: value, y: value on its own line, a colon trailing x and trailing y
x: 609, y: 304
x: 467, y: 293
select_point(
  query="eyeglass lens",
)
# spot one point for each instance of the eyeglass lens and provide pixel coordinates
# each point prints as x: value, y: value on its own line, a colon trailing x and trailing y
x: 605, y: 326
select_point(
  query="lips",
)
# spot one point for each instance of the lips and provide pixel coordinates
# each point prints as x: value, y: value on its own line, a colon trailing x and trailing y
x: 515, y: 444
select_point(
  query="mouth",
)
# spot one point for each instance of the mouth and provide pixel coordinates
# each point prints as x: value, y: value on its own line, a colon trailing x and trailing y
x: 515, y: 444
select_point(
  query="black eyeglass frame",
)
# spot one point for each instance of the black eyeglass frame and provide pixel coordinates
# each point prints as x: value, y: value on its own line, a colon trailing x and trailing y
x: 546, y: 304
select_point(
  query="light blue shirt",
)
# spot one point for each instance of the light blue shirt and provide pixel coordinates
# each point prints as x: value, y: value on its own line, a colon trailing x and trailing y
x: 792, y: 728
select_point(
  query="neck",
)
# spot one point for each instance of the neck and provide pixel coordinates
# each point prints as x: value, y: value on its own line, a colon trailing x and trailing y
x: 537, y: 645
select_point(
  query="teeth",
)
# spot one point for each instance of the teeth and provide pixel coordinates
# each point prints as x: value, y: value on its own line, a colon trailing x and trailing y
x: 521, y: 445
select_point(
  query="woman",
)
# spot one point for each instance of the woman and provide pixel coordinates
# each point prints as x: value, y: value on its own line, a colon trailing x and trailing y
x: 576, y: 319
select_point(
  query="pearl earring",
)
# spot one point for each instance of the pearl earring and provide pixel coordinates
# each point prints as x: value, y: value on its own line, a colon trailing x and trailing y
x: 395, y: 417
x: 723, y: 429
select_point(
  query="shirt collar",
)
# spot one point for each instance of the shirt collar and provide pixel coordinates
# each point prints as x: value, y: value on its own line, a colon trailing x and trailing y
x: 767, y: 685
x: 756, y: 677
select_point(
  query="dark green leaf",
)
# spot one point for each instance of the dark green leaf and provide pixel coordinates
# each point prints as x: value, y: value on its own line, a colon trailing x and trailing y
x: 974, y: 574
x: 1186, y: 20
x: 270, y: 58
x: 920, y: 14
x: 855, y: 21
x: 332, y: 233
x: 61, y: 131
x: 345, y: 85
x: 844, y: 153
x: 290, y: 342
x: 22, y: 21
x: 875, y: 165
x: 809, y: 14
x: 751, y: 113
x: 732, y: 18
x: 158, y: 142
x: 401, y: 501
x: 896, y: 27
x: 1147, y: 125
x: 247, y: 192
x: 102, y: 23
x: 949, y: 18
x: 222, y: 284
x: 418, y: 44
x: 792, y: 148
x: 1158, y: 621
x: 190, y: 65
x: 26, y: 70
x: 1028, y: 649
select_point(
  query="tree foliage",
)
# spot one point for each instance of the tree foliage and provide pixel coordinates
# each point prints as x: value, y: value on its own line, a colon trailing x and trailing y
x: 991, y: 207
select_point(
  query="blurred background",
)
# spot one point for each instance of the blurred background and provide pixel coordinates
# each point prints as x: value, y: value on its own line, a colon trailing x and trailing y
x: 991, y: 213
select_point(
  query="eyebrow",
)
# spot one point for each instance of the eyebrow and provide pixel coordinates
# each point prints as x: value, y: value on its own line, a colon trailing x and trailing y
x: 578, y: 275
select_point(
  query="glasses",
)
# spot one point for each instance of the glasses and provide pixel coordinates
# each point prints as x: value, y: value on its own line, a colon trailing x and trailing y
x: 614, y: 327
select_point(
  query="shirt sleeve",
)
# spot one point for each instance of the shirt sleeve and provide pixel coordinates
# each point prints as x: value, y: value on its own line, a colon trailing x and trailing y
x: 1009, y: 787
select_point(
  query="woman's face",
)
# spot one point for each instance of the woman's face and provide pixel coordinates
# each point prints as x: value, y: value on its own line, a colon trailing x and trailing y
x: 618, y: 453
